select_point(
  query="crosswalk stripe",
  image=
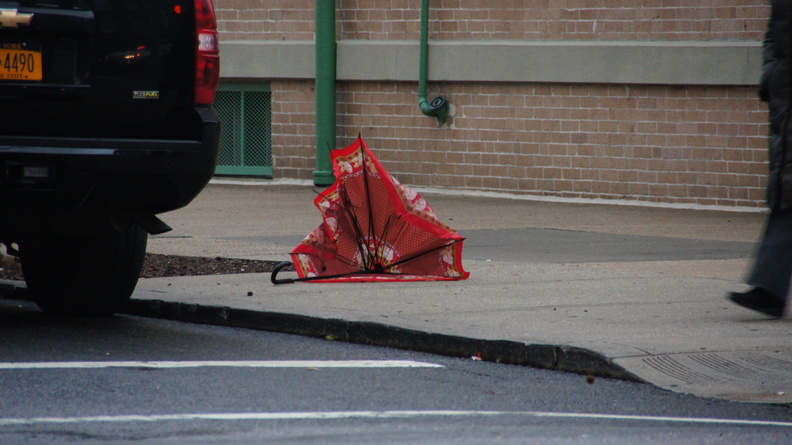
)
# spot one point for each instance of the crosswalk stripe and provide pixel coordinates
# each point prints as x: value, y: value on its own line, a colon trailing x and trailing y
x: 223, y: 363
x: 340, y: 415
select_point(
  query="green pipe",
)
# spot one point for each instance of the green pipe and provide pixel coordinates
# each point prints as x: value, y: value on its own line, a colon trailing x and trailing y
x: 438, y: 107
x: 325, y: 91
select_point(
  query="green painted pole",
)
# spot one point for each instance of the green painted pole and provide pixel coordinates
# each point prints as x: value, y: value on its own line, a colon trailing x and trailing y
x: 325, y: 91
x: 424, y: 59
x: 438, y: 107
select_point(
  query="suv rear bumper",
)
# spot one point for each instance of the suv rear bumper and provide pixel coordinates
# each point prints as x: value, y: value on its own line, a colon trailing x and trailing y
x: 72, y: 174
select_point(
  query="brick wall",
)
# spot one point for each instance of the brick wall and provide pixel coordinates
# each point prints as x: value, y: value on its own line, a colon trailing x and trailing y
x: 502, y: 19
x: 293, y: 129
x: 703, y: 145
x: 265, y: 19
x: 681, y: 144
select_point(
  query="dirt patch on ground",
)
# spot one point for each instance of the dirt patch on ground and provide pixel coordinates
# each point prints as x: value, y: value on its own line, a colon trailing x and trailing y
x: 158, y: 266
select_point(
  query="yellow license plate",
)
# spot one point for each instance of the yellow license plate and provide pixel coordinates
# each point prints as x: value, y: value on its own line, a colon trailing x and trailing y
x: 19, y: 63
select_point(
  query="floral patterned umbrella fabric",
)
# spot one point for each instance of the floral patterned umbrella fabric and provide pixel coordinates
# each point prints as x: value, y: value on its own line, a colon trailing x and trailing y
x: 375, y: 229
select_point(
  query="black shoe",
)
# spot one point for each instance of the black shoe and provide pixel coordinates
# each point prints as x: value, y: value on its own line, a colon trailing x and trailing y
x: 759, y: 300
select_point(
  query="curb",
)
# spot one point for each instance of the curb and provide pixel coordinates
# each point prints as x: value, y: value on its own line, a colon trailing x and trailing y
x: 554, y: 357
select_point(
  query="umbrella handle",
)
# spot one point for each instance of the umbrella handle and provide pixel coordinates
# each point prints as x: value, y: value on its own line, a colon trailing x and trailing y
x: 278, y: 269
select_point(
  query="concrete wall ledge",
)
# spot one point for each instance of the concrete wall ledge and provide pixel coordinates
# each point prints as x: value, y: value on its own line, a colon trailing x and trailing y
x: 722, y: 63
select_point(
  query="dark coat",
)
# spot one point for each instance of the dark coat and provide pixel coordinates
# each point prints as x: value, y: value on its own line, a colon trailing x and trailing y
x: 776, y: 89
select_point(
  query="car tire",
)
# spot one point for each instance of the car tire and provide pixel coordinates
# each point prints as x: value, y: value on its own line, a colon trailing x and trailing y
x: 84, y: 275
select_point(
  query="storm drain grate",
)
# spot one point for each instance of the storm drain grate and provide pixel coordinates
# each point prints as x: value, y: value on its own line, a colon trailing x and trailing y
x: 759, y: 375
x: 766, y: 361
x: 724, y: 365
x: 677, y: 370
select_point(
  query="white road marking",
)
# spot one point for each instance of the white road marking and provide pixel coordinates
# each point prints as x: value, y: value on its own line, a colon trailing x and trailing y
x: 226, y: 364
x: 340, y: 415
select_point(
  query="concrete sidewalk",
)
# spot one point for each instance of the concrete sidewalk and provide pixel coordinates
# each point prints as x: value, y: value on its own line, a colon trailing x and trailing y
x: 620, y: 291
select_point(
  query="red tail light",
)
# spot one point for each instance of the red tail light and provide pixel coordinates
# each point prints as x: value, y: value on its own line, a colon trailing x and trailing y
x: 207, y: 57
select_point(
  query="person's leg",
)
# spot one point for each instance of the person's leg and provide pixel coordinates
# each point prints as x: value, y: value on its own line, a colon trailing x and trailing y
x: 772, y: 268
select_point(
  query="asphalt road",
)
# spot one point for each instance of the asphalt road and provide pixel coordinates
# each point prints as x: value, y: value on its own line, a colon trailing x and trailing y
x: 134, y: 380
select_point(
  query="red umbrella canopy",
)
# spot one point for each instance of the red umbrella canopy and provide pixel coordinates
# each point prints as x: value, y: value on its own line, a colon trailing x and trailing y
x: 375, y: 229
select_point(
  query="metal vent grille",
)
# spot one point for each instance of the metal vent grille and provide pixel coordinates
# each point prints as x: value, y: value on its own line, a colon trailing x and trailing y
x: 246, y: 141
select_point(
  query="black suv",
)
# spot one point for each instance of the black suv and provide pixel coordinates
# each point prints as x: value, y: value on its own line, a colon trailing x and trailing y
x: 106, y: 121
